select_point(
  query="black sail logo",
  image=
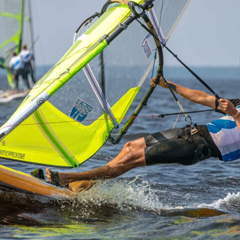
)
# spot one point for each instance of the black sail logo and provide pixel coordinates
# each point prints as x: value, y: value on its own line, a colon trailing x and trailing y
x: 15, y: 155
x: 40, y: 101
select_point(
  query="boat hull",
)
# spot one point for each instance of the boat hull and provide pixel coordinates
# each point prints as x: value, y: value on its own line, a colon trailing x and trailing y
x: 16, y: 181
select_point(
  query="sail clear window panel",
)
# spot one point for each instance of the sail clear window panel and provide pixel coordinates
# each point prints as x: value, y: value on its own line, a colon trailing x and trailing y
x: 125, y: 61
x: 10, y: 6
x: 167, y: 12
x: 77, y: 100
x: 7, y: 33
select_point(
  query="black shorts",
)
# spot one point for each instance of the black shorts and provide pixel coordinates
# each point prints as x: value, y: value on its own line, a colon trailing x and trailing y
x: 179, y: 146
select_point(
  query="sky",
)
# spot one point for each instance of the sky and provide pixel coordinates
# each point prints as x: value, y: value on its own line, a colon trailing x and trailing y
x: 208, y: 33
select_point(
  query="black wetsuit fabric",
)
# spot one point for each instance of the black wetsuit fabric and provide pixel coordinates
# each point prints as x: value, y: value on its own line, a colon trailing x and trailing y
x: 179, y: 146
x: 20, y: 72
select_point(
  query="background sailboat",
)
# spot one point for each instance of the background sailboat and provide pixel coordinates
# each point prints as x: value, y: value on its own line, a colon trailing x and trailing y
x: 15, y: 30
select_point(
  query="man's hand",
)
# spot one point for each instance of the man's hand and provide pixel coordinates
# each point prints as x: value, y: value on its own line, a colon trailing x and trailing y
x: 227, y: 107
x: 161, y: 82
x: 81, y: 186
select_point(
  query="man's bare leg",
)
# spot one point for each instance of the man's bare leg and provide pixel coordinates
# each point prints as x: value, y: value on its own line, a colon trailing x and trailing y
x: 131, y: 156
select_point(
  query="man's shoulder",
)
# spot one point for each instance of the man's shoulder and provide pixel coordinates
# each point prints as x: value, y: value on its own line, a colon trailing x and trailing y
x: 15, y: 58
x: 24, y: 51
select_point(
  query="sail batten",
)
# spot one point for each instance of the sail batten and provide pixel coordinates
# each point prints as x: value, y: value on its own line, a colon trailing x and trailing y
x: 65, y: 120
x: 54, y: 140
x: 98, y: 92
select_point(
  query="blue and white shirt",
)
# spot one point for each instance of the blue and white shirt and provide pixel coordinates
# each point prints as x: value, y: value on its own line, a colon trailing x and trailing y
x: 226, y: 136
x: 26, y: 55
x: 16, y: 63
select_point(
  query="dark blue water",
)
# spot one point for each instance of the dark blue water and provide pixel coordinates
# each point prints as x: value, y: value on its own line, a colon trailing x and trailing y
x: 145, y: 203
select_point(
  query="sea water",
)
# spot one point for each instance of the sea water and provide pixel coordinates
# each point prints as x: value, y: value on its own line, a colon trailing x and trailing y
x: 147, y: 202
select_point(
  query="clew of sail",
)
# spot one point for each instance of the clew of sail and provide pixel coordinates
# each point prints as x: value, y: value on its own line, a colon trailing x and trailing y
x: 15, y: 29
x: 70, y: 113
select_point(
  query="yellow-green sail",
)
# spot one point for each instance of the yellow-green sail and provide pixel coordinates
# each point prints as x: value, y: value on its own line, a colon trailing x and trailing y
x: 15, y: 29
x: 62, y: 122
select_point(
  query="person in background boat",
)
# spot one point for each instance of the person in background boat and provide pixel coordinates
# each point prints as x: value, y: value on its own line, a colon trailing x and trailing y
x: 16, y: 65
x: 27, y: 58
x: 219, y: 139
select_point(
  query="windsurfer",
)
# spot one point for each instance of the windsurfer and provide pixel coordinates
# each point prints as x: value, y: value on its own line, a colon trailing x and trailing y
x: 17, y: 67
x: 182, y: 145
x: 27, y: 58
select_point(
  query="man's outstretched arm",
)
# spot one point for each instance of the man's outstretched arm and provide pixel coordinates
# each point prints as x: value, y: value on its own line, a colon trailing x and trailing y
x: 202, y: 98
x: 192, y: 95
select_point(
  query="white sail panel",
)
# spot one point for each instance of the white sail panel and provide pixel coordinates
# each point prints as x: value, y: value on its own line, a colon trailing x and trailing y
x: 168, y: 13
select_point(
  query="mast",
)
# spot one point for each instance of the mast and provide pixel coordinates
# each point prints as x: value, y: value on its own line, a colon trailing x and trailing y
x: 21, y: 26
x: 102, y: 72
x: 32, y: 36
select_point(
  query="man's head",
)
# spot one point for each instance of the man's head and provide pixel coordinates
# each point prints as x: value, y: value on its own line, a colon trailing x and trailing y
x: 24, y: 47
x: 14, y: 54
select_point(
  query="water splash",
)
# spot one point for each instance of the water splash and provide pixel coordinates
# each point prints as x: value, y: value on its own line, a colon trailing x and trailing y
x: 230, y: 203
x: 122, y: 195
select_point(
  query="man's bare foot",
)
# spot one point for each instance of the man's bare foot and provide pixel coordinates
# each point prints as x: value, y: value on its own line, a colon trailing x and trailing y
x: 58, y: 179
x: 63, y: 180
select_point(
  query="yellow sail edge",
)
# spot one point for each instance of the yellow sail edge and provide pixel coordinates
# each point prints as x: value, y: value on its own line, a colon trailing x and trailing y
x: 30, y: 143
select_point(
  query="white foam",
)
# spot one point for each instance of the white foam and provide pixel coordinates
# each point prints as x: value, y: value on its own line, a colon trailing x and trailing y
x: 124, y: 194
x: 227, y: 202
